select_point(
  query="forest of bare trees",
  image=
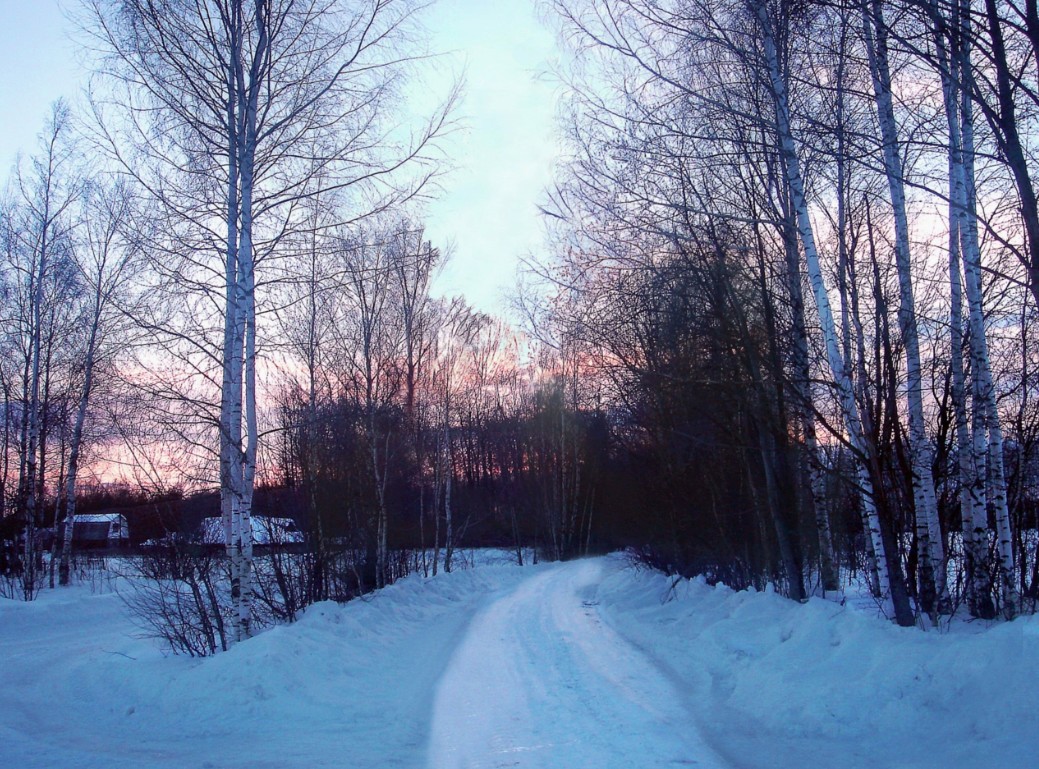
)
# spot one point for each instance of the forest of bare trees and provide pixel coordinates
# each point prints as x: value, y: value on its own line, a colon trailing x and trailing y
x: 783, y: 333
x: 798, y: 235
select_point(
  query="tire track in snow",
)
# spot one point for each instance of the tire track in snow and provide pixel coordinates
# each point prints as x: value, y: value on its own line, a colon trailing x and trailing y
x: 540, y: 681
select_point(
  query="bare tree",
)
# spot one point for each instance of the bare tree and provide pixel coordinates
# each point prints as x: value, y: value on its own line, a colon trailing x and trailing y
x: 928, y: 531
x: 370, y: 362
x: 231, y: 108
x: 38, y: 244
x: 106, y: 256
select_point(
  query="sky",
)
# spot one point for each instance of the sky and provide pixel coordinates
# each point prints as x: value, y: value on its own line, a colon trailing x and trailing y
x: 486, y: 213
x: 506, y: 152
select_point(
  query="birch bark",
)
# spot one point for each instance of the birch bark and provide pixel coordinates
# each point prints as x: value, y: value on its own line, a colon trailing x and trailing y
x: 28, y: 490
x: 985, y: 407
x: 805, y: 409
x: 74, y: 448
x: 932, y: 590
x: 250, y: 82
x: 969, y: 444
x: 985, y: 447
x: 46, y: 196
x: 837, y: 364
x: 229, y: 429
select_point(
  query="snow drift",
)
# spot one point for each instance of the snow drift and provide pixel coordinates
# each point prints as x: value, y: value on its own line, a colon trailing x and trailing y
x: 766, y: 682
x: 779, y: 684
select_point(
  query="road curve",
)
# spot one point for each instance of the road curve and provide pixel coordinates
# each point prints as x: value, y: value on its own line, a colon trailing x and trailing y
x: 541, y: 681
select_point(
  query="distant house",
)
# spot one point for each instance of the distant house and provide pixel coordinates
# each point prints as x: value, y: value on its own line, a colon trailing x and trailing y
x: 266, y: 531
x: 100, y: 530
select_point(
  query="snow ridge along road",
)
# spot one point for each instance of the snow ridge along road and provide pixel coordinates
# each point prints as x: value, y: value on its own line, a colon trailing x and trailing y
x: 541, y: 681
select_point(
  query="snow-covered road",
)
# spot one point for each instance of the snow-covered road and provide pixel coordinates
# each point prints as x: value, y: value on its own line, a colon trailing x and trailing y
x: 588, y: 664
x: 541, y: 681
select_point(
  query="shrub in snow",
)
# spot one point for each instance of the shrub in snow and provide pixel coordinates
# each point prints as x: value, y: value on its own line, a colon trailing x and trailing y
x: 178, y: 593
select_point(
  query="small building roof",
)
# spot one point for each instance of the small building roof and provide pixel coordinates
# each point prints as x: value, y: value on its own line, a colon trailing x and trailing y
x: 100, y: 518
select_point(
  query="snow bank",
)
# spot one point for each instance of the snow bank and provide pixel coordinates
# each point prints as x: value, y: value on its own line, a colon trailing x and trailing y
x: 781, y: 684
x: 347, y: 685
x: 768, y: 683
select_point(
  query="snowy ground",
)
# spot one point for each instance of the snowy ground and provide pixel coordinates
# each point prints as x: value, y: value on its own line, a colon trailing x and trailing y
x: 541, y: 681
x: 585, y: 664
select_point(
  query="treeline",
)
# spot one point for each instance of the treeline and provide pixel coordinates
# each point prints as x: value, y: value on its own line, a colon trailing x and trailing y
x: 797, y: 243
x: 408, y: 423
x: 787, y: 335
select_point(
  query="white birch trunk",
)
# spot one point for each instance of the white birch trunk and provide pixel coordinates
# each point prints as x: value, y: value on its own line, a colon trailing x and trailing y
x: 227, y: 430
x: 851, y: 325
x: 248, y: 472
x: 835, y: 358
x: 238, y: 398
x: 244, y: 359
x: 41, y: 258
x: 806, y: 415
x: 29, y: 483
x: 984, y: 391
x: 971, y: 513
x: 974, y: 523
x: 974, y: 518
x: 928, y: 531
x: 77, y: 438
x: 235, y: 453
x: 986, y: 411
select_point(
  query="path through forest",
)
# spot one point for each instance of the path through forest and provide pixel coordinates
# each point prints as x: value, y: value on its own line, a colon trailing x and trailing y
x: 540, y: 680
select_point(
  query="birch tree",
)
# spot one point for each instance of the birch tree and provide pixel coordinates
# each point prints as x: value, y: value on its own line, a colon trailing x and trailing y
x: 370, y: 343
x: 415, y: 269
x: 106, y: 257
x: 38, y: 241
x: 221, y: 105
x: 928, y: 532
x: 670, y: 48
x: 981, y: 445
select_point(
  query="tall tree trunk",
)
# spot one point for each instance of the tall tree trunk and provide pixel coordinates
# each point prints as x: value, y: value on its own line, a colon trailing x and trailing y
x: 838, y: 367
x: 805, y: 408
x: 985, y: 407
x: 77, y: 440
x: 29, y: 487
x: 974, y: 517
x: 230, y: 437
x: 932, y: 592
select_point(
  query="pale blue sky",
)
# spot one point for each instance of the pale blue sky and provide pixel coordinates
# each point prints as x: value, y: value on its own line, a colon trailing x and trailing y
x: 37, y: 65
x: 503, y: 157
x: 506, y: 155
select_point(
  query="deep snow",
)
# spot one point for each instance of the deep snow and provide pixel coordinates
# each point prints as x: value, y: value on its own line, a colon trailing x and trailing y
x: 773, y: 683
x: 584, y: 664
x: 540, y: 681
